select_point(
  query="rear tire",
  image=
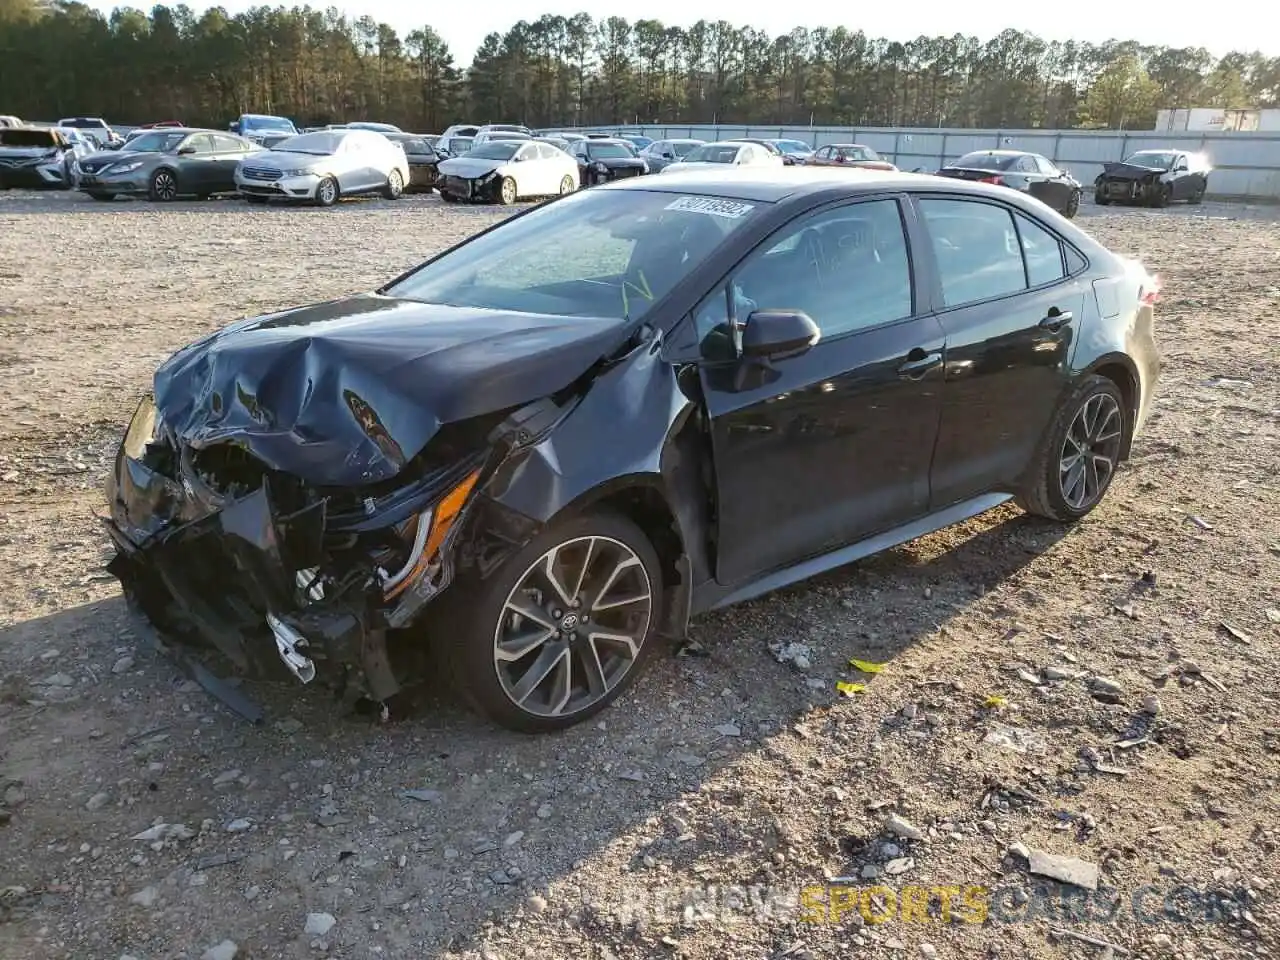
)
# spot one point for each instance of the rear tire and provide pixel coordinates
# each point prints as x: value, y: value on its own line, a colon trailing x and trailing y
x: 611, y: 574
x: 1079, y: 454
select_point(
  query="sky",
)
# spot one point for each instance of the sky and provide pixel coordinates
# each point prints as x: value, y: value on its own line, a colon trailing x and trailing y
x: 1220, y: 30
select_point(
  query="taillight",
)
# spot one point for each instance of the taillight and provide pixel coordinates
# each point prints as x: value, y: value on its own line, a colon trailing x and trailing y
x: 996, y: 180
x: 1149, y: 292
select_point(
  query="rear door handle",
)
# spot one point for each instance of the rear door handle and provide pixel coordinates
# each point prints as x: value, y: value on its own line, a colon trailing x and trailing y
x: 918, y: 364
x: 1056, y: 319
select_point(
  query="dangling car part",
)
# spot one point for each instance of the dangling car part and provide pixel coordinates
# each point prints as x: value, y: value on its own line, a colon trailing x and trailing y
x: 543, y: 450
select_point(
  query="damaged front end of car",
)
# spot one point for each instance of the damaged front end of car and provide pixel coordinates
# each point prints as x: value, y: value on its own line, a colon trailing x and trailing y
x: 1130, y: 183
x: 218, y: 550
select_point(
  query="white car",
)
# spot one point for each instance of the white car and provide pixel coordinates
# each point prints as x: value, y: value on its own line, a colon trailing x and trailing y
x: 324, y: 166
x: 723, y: 154
x: 506, y: 170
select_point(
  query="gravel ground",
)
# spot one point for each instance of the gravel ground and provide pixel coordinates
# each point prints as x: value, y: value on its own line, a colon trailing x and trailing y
x: 687, y: 821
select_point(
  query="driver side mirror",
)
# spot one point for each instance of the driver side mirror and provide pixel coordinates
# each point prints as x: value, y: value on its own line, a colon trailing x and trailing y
x: 778, y: 334
x: 186, y: 151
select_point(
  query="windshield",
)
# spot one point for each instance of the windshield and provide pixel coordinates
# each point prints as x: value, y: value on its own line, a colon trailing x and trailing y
x: 156, y: 142
x: 461, y: 144
x: 507, y: 135
x: 267, y: 123
x: 495, y: 150
x: 856, y: 153
x: 713, y: 153
x: 682, y: 148
x: 596, y: 253
x: 984, y: 161
x: 20, y: 137
x: 1152, y: 158
x: 322, y: 143
x: 793, y: 146
x: 609, y: 151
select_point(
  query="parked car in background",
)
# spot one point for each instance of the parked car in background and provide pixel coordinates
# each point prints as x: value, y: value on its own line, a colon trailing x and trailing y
x: 600, y: 161
x: 260, y: 127
x: 9, y: 120
x: 797, y: 150
x: 457, y: 139
x: 662, y: 153
x: 563, y: 135
x: 41, y: 157
x: 325, y: 166
x: 637, y: 140
x: 157, y: 124
x: 725, y: 153
x: 423, y: 161
x: 505, y: 171
x: 769, y: 145
x: 371, y: 125
x: 545, y: 449
x: 1155, y: 178
x: 431, y: 138
x: 503, y: 128
x: 94, y: 127
x: 493, y: 136
x: 1028, y: 172
x: 848, y: 155
x: 558, y: 142
x: 167, y: 163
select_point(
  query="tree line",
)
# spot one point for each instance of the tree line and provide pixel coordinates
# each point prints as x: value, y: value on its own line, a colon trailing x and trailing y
x: 59, y: 58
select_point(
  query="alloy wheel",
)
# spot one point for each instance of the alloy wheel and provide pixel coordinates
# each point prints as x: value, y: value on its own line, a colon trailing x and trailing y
x: 508, y: 191
x: 1090, y: 451
x: 573, y: 626
x: 566, y: 185
x: 327, y: 192
x: 166, y: 186
x: 395, y: 185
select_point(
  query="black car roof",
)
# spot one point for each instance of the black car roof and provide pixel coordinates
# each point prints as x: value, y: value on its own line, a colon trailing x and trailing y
x: 998, y: 153
x: 775, y: 184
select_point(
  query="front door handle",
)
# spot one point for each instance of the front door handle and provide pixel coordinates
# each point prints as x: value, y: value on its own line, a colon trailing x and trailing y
x: 1056, y: 319
x: 919, y: 363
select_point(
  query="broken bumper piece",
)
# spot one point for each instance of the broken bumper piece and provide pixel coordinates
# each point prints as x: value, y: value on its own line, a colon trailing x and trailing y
x: 270, y: 588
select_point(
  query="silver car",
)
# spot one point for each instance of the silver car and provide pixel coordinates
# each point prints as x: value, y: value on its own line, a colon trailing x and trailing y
x: 323, y: 166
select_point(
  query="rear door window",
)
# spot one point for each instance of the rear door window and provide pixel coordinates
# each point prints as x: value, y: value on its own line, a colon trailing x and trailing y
x: 976, y: 249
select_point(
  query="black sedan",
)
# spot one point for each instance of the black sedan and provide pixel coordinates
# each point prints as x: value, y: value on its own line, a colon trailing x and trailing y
x: 547, y: 447
x: 1028, y: 172
x: 423, y: 161
x: 1154, y: 178
x: 601, y: 160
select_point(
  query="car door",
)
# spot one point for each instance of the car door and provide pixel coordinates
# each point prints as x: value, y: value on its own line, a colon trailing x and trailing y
x: 1055, y: 189
x: 1010, y: 308
x: 821, y: 157
x: 580, y: 157
x: 1183, y: 183
x: 831, y: 446
x: 228, y: 152
x: 197, y: 164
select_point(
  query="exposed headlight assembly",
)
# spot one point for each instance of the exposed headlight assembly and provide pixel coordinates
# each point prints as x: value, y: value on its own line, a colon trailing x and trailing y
x: 144, y: 428
x: 431, y: 529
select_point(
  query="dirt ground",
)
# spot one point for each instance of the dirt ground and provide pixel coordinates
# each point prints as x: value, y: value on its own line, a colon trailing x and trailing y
x: 705, y: 814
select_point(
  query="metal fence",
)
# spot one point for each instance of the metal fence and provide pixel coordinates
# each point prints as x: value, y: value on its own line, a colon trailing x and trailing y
x: 1246, y: 164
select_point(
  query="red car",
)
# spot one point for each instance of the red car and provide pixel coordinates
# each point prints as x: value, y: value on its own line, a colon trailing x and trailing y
x: 848, y: 155
x: 161, y: 123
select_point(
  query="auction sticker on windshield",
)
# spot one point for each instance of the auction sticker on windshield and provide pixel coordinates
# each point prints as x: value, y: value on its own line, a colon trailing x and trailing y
x: 713, y: 206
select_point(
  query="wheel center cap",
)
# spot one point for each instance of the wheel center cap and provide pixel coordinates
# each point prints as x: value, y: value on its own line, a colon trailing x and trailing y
x: 570, y: 622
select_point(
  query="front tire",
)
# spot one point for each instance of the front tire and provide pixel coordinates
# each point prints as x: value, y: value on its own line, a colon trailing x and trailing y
x: 164, y: 186
x: 104, y: 197
x: 1080, y: 453
x: 567, y: 185
x: 448, y: 197
x: 394, y: 189
x: 1162, y: 196
x: 1100, y: 199
x: 254, y: 198
x: 1073, y: 206
x: 327, y: 192
x: 507, y: 192
x: 562, y: 628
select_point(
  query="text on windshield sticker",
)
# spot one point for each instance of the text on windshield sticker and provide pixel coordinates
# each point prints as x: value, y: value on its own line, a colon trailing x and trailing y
x: 713, y: 206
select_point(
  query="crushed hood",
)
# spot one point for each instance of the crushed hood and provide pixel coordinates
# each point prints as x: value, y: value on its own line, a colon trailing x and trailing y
x: 345, y: 393
x: 1129, y: 171
x: 470, y: 167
